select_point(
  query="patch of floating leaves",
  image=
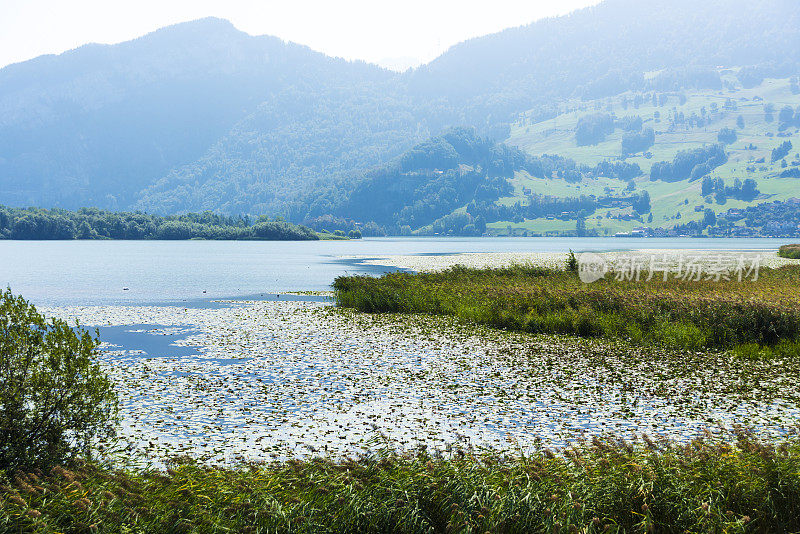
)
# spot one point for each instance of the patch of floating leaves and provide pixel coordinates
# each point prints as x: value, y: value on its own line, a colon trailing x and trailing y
x: 279, y: 380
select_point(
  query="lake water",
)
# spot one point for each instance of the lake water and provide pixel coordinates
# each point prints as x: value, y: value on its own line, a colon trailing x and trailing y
x: 57, y: 273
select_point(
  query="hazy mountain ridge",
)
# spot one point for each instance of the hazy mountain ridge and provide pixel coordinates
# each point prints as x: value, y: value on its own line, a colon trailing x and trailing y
x: 104, y: 122
x: 616, y: 38
x: 290, y: 143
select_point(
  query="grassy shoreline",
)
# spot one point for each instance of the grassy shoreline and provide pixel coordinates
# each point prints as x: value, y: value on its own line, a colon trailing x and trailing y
x: 709, y: 485
x: 790, y: 251
x: 748, y: 316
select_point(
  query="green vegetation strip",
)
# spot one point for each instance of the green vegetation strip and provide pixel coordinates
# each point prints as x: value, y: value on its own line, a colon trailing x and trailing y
x: 752, y: 317
x: 606, y: 486
x: 790, y: 251
x: 92, y: 223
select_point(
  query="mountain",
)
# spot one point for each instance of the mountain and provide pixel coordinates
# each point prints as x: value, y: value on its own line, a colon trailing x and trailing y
x: 202, y: 116
x: 431, y: 180
x: 608, y: 49
x: 298, y: 139
x: 725, y: 149
x: 97, y: 125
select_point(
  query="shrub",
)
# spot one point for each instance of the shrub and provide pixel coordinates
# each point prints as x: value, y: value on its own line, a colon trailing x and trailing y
x: 572, y: 262
x: 54, y: 398
x: 593, y: 129
x: 727, y: 136
x: 790, y: 251
x: 633, y: 142
x: 781, y: 151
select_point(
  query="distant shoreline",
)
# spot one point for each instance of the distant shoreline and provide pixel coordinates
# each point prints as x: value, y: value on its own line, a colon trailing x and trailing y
x: 556, y: 260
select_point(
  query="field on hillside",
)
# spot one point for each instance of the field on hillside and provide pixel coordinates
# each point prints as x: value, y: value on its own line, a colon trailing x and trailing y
x: 672, y: 203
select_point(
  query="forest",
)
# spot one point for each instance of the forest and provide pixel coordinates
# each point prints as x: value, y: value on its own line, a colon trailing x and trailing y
x: 689, y: 164
x: 423, y: 186
x: 92, y: 223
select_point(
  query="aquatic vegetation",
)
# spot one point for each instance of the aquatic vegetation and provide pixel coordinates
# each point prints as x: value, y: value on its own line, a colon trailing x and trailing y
x: 688, y: 314
x: 790, y: 251
x: 738, y: 484
x: 284, y: 380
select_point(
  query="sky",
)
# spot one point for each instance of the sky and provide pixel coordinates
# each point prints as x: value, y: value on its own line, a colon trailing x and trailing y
x: 395, y: 34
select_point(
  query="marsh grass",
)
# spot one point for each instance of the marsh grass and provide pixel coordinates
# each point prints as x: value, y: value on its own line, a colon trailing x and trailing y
x: 790, y: 251
x: 709, y: 485
x: 675, y: 313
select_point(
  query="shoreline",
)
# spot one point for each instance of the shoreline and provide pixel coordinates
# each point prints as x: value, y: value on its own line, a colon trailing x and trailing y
x: 557, y: 260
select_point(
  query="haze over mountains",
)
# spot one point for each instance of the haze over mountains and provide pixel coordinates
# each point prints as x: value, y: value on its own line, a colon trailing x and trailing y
x: 200, y: 116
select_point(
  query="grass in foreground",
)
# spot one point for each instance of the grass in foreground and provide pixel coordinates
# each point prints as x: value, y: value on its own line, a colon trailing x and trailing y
x: 790, y: 251
x: 607, y: 486
x: 751, y: 317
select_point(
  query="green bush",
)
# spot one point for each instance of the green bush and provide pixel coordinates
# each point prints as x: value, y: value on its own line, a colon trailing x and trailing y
x: 790, y: 251
x: 54, y: 398
x: 572, y: 262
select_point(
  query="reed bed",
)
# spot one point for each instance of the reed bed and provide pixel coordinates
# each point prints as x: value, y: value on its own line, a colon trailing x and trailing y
x: 750, y: 315
x: 608, y: 485
x: 790, y: 251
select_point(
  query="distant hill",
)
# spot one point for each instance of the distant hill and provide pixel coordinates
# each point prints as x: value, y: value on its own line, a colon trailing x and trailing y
x: 454, y: 184
x: 99, y: 124
x: 426, y: 182
x: 299, y: 140
x: 657, y: 159
x: 608, y: 49
x: 200, y: 116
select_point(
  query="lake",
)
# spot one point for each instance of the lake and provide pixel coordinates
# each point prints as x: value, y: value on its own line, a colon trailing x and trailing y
x: 58, y: 273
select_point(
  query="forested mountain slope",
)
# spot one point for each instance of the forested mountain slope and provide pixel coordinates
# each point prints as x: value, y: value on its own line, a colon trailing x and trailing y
x: 608, y: 49
x: 297, y: 141
x: 96, y: 125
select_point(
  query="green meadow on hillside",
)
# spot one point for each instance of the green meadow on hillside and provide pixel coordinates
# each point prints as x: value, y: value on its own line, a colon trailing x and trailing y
x: 758, y: 133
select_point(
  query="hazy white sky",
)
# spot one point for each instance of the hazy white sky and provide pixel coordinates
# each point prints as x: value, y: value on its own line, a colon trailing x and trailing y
x: 392, y: 32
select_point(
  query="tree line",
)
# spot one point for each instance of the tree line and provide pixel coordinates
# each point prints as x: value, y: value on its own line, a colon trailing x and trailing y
x: 93, y: 223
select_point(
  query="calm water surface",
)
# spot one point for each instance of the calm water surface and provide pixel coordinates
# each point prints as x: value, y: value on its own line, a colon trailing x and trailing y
x: 55, y: 273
